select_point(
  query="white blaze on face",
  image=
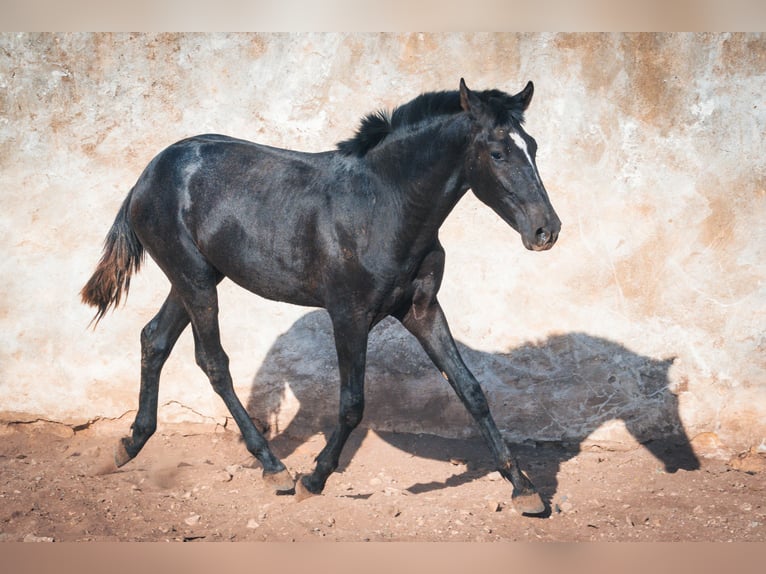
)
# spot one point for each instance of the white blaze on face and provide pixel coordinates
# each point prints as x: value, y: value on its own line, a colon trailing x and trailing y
x: 522, y: 145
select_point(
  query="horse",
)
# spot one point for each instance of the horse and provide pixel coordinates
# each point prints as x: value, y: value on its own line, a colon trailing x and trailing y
x: 353, y: 230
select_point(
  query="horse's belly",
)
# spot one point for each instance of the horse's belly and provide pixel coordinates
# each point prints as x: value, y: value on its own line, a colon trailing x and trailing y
x: 274, y: 279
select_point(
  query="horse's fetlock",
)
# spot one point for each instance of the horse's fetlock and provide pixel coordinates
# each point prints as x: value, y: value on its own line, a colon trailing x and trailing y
x: 144, y: 430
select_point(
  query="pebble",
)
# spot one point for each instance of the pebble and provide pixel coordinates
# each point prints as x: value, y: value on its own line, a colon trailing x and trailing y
x: 252, y: 524
x: 193, y: 519
x: 34, y: 538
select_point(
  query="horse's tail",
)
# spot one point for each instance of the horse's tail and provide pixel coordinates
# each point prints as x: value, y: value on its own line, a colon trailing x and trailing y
x: 122, y: 256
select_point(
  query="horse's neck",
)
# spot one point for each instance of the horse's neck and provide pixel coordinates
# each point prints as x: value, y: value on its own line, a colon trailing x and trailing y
x: 426, y: 168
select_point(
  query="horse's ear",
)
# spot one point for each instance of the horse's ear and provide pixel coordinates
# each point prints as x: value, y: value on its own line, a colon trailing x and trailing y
x: 525, y: 95
x: 467, y: 99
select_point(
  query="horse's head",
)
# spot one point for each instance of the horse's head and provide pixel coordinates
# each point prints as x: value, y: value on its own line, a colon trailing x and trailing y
x: 501, y: 166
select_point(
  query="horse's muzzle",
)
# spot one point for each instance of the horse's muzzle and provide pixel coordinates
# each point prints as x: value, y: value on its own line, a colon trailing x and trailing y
x: 543, y: 238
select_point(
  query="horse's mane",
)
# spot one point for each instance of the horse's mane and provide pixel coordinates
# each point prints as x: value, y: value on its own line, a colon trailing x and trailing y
x: 375, y: 127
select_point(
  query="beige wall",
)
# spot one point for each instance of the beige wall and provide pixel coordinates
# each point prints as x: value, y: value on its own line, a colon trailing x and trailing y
x: 650, y: 313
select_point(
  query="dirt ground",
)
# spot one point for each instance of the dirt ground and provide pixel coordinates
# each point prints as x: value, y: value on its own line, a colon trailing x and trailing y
x: 194, y: 483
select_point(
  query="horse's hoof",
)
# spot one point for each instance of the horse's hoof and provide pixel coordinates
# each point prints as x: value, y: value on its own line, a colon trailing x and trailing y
x: 280, y: 481
x: 121, y: 455
x: 301, y: 492
x: 529, y: 503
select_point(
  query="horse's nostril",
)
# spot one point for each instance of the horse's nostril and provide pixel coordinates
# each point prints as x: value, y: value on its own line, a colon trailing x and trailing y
x: 543, y: 236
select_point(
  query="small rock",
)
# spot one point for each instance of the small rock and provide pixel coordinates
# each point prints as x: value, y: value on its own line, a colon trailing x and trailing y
x: 566, y: 507
x: 232, y: 469
x: 494, y: 505
x: 375, y: 481
x: 698, y: 509
x: 709, y: 445
x: 751, y: 461
x: 330, y: 521
x: 252, y: 524
x: 193, y: 519
x: 457, y: 461
x: 34, y: 538
x: 224, y: 476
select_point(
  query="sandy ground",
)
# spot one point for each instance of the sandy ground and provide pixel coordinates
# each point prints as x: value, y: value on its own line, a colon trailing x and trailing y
x: 194, y: 483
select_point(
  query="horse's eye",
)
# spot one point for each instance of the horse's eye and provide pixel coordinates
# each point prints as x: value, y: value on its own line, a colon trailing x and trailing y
x: 496, y: 155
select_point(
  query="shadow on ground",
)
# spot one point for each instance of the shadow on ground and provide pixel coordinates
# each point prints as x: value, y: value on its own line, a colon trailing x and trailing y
x: 550, y: 398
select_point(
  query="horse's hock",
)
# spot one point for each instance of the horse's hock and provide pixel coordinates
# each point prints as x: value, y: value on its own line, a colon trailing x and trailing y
x: 645, y: 320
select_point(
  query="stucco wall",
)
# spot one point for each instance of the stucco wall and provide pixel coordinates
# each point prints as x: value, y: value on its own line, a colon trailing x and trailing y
x: 648, y: 317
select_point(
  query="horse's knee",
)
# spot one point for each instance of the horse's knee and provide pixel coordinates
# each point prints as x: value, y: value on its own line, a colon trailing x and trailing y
x: 352, y: 412
x: 220, y: 379
x: 477, y: 403
x: 352, y: 419
x: 214, y: 364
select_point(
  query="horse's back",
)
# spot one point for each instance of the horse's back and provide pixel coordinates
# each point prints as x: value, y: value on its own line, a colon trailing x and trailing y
x: 211, y: 175
x: 262, y: 216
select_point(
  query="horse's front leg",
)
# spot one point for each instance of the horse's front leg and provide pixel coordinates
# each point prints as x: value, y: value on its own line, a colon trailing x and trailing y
x: 351, y: 346
x: 426, y: 320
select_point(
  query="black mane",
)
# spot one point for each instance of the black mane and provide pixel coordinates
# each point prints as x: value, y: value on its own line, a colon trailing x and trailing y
x: 375, y: 127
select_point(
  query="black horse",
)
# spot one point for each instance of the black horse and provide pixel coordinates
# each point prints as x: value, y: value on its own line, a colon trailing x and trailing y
x: 353, y: 230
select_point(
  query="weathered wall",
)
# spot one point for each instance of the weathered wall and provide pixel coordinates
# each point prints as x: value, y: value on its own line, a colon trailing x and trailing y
x: 648, y: 317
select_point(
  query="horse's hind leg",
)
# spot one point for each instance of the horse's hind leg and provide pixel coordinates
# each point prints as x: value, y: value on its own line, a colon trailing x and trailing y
x: 202, y: 305
x: 157, y: 340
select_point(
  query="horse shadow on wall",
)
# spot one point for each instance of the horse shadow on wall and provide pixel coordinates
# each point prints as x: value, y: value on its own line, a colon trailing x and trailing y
x: 558, y: 391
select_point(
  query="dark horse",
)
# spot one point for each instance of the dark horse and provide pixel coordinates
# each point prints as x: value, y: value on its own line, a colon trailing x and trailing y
x: 353, y: 230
